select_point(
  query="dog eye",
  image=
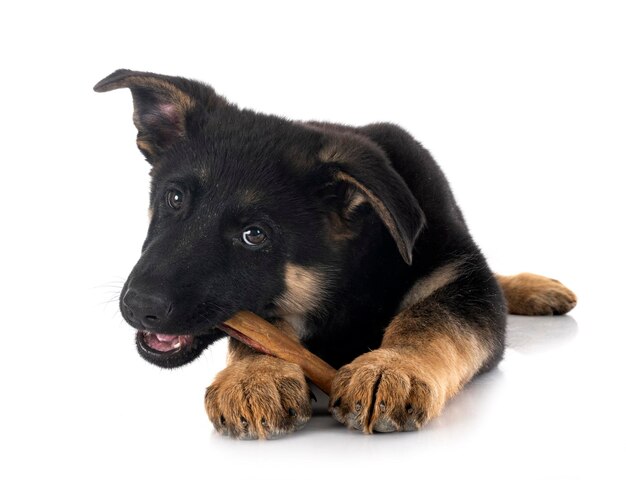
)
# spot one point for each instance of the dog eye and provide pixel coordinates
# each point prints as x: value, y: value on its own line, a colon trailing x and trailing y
x: 253, y: 236
x: 174, y: 198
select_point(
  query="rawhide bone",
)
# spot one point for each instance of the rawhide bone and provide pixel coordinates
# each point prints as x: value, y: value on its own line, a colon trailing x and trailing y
x: 264, y: 337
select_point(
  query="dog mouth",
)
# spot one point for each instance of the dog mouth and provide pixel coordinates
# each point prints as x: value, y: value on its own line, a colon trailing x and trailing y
x: 171, y: 351
x: 163, y: 343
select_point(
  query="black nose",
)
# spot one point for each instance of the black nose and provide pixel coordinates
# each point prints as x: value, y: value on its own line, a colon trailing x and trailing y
x: 146, y: 310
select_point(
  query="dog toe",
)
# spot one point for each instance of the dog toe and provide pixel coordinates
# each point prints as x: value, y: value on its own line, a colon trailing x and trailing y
x: 379, y: 393
x: 264, y: 398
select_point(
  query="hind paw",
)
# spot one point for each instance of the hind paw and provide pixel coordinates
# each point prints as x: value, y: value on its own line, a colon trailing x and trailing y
x: 530, y: 294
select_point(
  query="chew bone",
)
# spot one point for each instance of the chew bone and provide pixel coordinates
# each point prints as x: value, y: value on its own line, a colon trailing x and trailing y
x: 261, y: 335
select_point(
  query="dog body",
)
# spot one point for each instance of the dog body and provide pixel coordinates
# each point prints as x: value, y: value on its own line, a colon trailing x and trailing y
x: 347, y: 238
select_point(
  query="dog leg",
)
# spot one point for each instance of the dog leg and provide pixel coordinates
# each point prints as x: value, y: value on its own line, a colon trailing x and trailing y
x: 530, y: 294
x: 429, y: 351
x: 258, y: 396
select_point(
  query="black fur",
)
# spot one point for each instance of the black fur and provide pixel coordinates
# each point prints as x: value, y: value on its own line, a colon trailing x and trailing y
x: 238, y: 168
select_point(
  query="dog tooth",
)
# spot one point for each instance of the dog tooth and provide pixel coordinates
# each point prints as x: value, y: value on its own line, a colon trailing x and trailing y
x: 177, y: 344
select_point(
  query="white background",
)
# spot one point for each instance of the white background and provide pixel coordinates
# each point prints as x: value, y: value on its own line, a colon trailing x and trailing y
x: 523, y: 104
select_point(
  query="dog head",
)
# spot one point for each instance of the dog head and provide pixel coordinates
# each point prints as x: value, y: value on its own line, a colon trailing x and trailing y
x: 248, y: 212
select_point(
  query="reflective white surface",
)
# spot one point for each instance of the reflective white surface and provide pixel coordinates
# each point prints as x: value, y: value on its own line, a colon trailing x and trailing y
x: 552, y: 409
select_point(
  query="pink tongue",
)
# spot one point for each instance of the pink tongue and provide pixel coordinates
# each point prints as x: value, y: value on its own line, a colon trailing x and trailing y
x: 165, y: 343
x: 165, y: 338
x: 162, y: 342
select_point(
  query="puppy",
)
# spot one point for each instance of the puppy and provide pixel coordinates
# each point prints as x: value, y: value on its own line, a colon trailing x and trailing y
x: 347, y: 238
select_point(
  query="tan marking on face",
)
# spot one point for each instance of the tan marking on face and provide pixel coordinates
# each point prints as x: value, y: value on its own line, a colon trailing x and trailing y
x: 426, y: 286
x: 530, y: 294
x: 304, y: 288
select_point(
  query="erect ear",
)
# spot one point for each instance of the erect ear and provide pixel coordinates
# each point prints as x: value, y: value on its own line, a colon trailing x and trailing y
x: 163, y: 106
x: 367, y: 172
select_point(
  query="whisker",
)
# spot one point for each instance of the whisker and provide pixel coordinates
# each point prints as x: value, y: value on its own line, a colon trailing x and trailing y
x: 116, y: 283
x: 114, y: 299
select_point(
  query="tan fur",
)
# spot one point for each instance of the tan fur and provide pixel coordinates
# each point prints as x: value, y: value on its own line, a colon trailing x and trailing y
x: 376, y: 203
x: 338, y: 149
x: 530, y: 294
x: 432, y: 282
x: 425, y: 359
x: 346, y: 147
x: 338, y: 223
x: 258, y: 396
x: 427, y: 354
x: 303, y: 292
x: 168, y: 91
x: 356, y: 199
x: 448, y: 352
x: 146, y: 81
x: 145, y: 147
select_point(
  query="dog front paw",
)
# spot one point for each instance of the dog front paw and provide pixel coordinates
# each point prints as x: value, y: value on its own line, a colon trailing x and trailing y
x: 258, y: 397
x: 381, y: 391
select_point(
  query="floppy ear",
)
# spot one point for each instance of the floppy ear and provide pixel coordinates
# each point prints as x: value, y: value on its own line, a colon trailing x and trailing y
x: 367, y: 172
x: 163, y: 106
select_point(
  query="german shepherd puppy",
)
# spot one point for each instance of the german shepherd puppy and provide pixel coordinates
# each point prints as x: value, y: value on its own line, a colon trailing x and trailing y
x: 347, y: 238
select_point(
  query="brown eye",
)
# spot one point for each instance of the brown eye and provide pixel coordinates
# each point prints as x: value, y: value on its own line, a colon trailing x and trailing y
x: 174, y: 198
x: 253, y: 236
